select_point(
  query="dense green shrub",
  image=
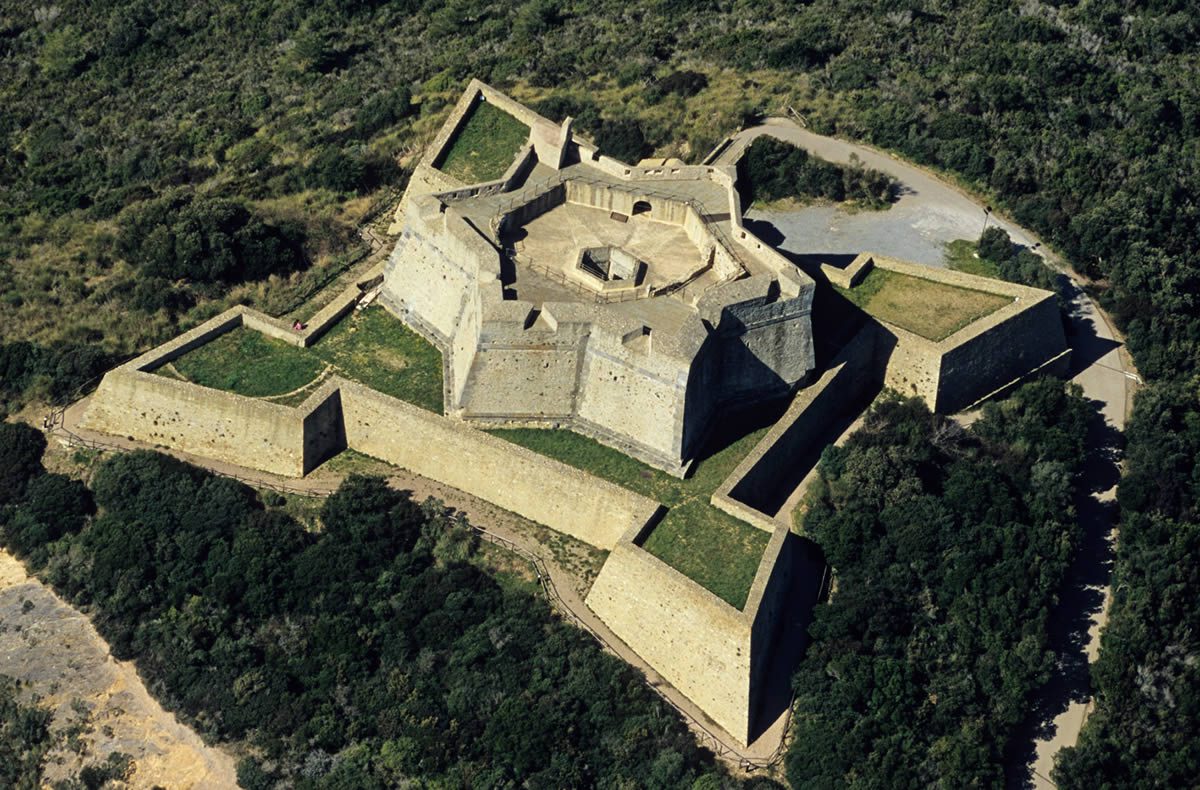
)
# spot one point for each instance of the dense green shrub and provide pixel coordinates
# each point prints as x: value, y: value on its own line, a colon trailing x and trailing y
x: 383, y: 110
x: 55, y: 372
x: 622, y: 139
x: 25, y: 738
x: 949, y: 546
x: 347, y: 658
x: 1017, y: 264
x: 21, y: 449
x: 681, y: 83
x: 772, y: 170
x: 203, y: 239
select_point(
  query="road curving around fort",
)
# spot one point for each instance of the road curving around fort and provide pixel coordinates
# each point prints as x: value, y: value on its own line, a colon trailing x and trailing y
x: 928, y: 214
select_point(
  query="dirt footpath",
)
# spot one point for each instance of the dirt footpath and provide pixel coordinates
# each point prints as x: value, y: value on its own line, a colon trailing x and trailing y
x: 100, y: 704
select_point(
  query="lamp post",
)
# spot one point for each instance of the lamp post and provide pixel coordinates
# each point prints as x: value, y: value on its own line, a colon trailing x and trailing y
x: 987, y: 212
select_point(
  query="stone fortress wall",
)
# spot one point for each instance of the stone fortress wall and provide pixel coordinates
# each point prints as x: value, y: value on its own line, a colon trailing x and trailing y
x: 133, y: 401
x: 706, y: 648
x: 631, y: 385
x: 713, y: 653
x: 989, y: 355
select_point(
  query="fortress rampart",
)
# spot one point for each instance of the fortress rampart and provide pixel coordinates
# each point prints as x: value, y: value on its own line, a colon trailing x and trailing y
x: 286, y: 440
x: 706, y: 648
x: 755, y: 490
x: 627, y: 381
x: 642, y: 359
x: 696, y: 641
x: 997, y: 351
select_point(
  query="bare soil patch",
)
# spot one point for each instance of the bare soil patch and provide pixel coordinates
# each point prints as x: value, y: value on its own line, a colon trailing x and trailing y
x: 53, y: 649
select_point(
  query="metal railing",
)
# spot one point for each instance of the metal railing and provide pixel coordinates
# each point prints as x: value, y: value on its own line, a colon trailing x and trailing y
x: 599, y: 297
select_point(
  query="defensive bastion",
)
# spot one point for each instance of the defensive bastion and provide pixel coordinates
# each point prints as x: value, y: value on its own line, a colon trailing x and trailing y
x: 625, y: 302
x: 558, y: 295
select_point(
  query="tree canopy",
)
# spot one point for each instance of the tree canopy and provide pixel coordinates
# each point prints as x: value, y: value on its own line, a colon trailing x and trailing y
x: 368, y: 654
x: 948, y: 547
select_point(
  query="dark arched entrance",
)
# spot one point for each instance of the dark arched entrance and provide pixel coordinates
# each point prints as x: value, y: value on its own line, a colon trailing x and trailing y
x: 641, y: 207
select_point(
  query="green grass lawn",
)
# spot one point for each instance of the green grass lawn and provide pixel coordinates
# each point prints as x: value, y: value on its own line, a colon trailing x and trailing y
x: 485, y: 146
x: 249, y: 363
x: 371, y: 347
x: 930, y: 309
x: 709, y: 546
x: 961, y: 257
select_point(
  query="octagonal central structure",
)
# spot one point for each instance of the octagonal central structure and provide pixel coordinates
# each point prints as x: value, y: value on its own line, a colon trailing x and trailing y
x: 624, y: 302
x: 589, y: 236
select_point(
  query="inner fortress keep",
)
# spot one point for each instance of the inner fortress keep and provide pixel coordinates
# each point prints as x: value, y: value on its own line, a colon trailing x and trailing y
x: 625, y: 302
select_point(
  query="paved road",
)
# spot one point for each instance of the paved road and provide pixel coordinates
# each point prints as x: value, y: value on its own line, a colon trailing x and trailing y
x: 929, y: 214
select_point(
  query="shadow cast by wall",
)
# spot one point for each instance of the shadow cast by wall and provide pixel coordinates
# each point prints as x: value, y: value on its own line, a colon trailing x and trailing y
x: 1087, y: 346
x: 791, y: 634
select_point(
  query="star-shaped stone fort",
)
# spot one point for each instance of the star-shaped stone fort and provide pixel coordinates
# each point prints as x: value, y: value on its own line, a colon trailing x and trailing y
x: 628, y: 303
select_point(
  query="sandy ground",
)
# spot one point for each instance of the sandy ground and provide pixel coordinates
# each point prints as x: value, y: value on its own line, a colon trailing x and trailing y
x: 54, y: 650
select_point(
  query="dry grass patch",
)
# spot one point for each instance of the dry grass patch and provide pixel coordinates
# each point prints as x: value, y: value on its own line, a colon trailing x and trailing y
x: 933, y: 310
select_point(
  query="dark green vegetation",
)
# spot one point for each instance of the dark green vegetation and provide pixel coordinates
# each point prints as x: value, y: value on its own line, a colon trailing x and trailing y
x: 52, y: 372
x: 930, y: 309
x: 203, y: 240
x: 1145, y: 731
x: 995, y: 255
x: 367, y: 655
x: 949, y: 546
x: 248, y: 363
x: 709, y: 546
x: 24, y: 739
x: 368, y: 346
x: 771, y: 169
x: 1080, y: 120
x: 485, y: 145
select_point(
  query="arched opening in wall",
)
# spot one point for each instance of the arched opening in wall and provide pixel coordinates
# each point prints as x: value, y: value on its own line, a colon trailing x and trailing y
x: 641, y: 207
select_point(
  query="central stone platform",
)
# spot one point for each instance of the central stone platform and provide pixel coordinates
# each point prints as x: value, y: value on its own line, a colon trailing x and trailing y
x: 564, y: 239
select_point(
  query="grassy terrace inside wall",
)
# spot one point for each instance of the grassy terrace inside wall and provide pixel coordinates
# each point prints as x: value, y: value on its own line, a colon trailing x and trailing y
x: 712, y: 548
x: 933, y: 310
x: 484, y: 146
x: 368, y: 346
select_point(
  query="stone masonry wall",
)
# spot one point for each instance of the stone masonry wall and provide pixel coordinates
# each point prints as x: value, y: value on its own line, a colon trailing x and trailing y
x: 1000, y: 354
x: 531, y: 485
x: 696, y: 641
x: 771, y: 594
x: 758, y: 476
x: 214, y: 424
x: 912, y: 365
x: 640, y: 394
